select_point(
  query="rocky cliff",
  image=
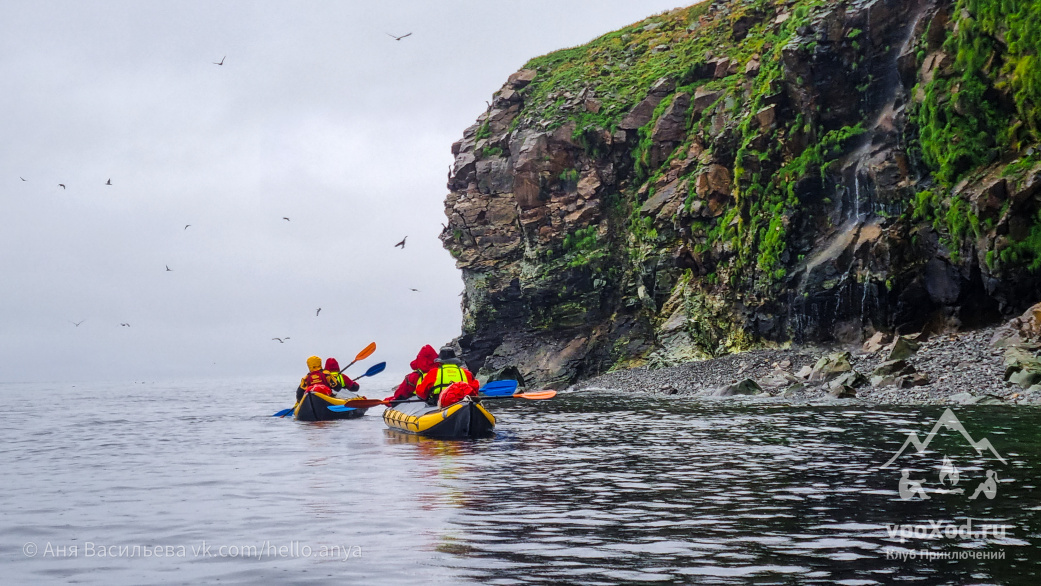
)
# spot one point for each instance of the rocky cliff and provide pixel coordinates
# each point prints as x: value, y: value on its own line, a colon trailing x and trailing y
x: 751, y: 172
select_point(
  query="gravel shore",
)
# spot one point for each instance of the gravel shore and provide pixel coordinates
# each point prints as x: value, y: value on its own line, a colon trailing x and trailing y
x: 952, y: 368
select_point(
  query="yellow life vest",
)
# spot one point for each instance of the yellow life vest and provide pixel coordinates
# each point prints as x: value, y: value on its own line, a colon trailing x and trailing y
x: 446, y: 375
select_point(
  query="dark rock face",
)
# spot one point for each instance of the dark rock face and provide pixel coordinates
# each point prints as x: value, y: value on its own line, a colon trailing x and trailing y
x: 734, y: 202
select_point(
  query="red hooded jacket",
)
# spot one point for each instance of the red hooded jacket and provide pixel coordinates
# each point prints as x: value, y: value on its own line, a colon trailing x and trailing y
x: 336, y: 379
x: 425, y: 360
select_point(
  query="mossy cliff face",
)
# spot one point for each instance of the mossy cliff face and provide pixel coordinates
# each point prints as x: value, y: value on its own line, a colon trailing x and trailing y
x: 744, y: 173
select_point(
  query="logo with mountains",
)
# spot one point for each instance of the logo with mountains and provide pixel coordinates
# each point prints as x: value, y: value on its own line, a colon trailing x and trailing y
x: 949, y: 476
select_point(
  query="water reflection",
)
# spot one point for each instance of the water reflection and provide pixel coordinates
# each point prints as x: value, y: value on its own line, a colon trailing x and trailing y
x: 584, y: 489
x: 616, y: 490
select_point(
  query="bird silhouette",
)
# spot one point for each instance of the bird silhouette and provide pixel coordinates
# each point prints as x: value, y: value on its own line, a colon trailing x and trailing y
x: 285, y: 218
x: 186, y: 226
x: 61, y: 185
x: 221, y: 61
x: 397, y: 38
x: 22, y: 178
x: 77, y: 323
x: 109, y: 182
x: 317, y: 312
x: 402, y: 243
x: 168, y: 268
x: 127, y: 325
x: 279, y: 340
x: 416, y: 290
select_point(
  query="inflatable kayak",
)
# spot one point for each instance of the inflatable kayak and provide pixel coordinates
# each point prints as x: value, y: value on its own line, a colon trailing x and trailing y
x: 315, y: 407
x: 465, y: 419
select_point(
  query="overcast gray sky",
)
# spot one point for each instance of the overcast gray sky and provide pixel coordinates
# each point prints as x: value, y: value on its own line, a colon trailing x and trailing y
x: 316, y: 115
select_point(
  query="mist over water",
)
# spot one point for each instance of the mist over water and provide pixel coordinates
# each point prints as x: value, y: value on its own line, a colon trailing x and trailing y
x: 585, y: 489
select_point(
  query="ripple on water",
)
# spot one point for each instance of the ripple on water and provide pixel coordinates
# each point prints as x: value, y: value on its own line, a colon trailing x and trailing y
x: 586, y: 489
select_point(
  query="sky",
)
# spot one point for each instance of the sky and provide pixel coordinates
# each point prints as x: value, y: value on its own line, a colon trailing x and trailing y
x: 316, y: 114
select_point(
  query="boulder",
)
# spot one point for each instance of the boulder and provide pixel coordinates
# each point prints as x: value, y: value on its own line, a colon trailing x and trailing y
x: 745, y: 387
x: 703, y: 98
x: 894, y: 367
x: 843, y: 392
x: 672, y: 124
x: 851, y: 379
x: 831, y: 366
x: 902, y: 348
x: 876, y: 342
x: 522, y: 78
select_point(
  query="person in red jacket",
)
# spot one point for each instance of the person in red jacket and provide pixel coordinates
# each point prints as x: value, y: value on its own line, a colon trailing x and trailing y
x: 338, y: 380
x: 425, y: 360
x: 448, y: 371
x: 314, y: 378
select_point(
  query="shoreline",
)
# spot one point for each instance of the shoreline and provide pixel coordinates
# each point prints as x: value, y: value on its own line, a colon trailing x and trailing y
x: 955, y: 368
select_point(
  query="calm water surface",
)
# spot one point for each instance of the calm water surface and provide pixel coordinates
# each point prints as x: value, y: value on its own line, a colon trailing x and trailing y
x: 583, y: 489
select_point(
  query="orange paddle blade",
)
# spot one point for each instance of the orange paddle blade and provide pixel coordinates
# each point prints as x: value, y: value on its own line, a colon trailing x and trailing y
x: 537, y: 395
x: 366, y: 352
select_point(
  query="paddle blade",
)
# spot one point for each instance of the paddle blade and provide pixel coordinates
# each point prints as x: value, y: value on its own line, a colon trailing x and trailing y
x: 364, y: 403
x: 499, y: 388
x: 284, y: 412
x: 341, y: 408
x: 366, y: 352
x: 374, y: 369
x: 537, y: 395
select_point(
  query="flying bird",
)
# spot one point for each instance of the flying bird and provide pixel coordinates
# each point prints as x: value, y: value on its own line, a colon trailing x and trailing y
x: 416, y: 290
x: 397, y: 38
x: 61, y: 185
x: 168, y: 268
x: 317, y: 312
x: 127, y: 325
x: 279, y: 340
x: 77, y: 323
x: 109, y: 182
x: 402, y: 243
x: 186, y: 226
x: 221, y: 61
x: 285, y: 218
x: 22, y: 178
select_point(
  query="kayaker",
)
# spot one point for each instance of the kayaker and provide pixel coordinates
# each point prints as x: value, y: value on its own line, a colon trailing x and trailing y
x: 314, y: 377
x: 448, y: 371
x: 338, y: 380
x: 425, y: 360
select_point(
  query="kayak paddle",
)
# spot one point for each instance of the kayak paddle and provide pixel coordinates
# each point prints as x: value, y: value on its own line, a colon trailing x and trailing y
x: 362, y: 355
x: 374, y: 369
x: 499, y: 388
x: 536, y: 396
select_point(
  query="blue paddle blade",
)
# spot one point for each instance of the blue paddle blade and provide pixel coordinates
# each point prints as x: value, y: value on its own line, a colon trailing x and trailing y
x: 284, y: 412
x: 341, y: 408
x: 499, y: 388
x: 375, y: 369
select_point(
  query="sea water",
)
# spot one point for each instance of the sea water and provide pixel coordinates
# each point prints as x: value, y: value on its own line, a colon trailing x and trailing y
x: 192, y: 482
